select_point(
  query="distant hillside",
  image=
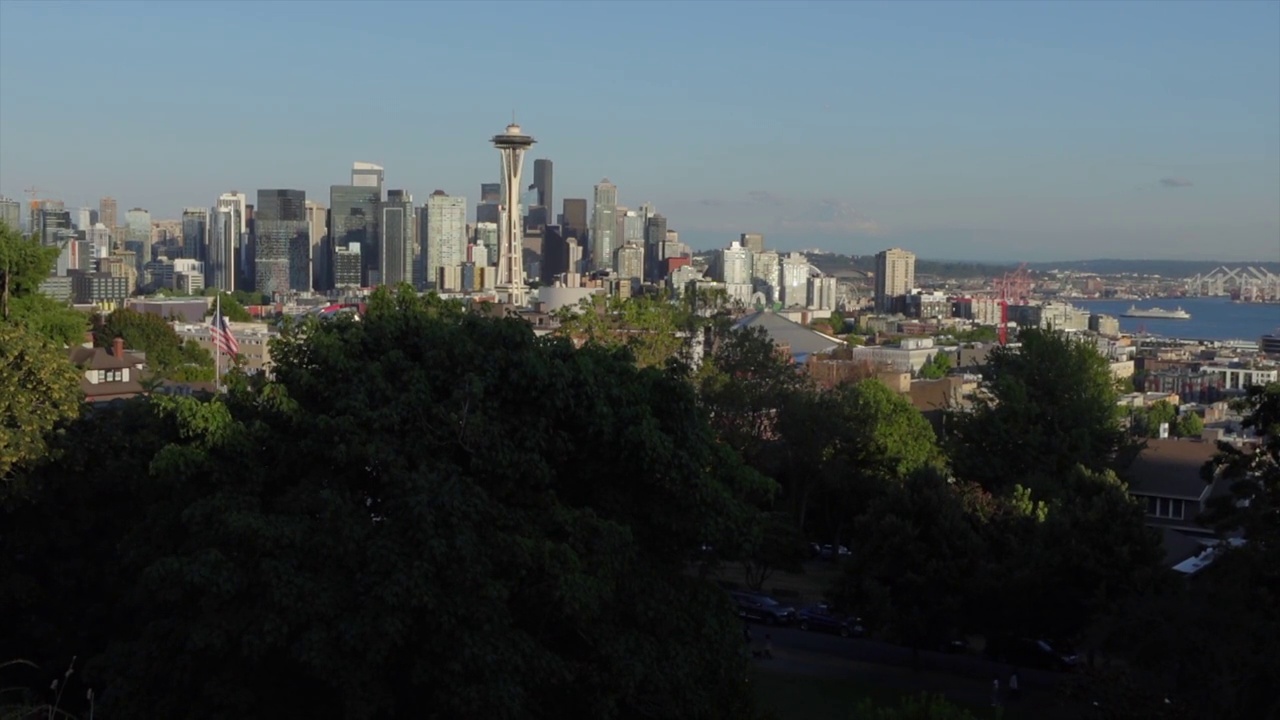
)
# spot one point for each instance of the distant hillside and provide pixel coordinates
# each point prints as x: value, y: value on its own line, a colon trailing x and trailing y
x: 1163, y: 268
x: 948, y: 269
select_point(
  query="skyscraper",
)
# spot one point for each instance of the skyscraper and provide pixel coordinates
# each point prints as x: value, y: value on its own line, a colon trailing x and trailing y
x: 107, y: 213
x: 604, y: 225
x: 511, y: 146
x: 283, y: 242
x: 752, y: 241
x: 85, y: 218
x: 398, y: 236
x: 573, y: 221
x: 365, y: 174
x: 629, y: 261
x: 487, y: 237
x: 195, y: 233
x: 895, y: 276
x: 353, y: 220
x: 139, y: 240
x: 446, y: 234
x: 542, y: 182
x: 655, y: 235
x: 226, y: 223
x: 321, y: 249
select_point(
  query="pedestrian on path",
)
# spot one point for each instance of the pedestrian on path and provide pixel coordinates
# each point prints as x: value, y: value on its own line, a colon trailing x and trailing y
x: 995, y: 692
x: 1013, y: 685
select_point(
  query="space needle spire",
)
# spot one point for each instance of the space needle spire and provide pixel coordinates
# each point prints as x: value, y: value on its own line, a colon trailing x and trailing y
x: 511, y: 145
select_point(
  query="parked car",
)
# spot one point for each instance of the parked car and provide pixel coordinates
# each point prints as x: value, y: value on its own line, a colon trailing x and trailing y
x: 762, y: 608
x: 828, y: 552
x: 1032, y: 653
x: 825, y: 618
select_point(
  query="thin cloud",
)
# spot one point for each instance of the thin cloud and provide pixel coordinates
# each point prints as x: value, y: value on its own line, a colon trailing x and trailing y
x: 764, y: 197
x: 1175, y: 182
x: 830, y: 216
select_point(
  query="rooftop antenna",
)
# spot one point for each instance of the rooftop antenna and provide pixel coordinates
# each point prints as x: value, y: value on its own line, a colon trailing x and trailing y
x: 513, y: 116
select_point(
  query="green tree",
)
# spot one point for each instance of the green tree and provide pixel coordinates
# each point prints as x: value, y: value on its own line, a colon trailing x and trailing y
x: 167, y: 355
x: 937, y: 367
x: 916, y: 550
x: 39, y: 389
x: 315, y: 546
x: 24, y: 264
x: 1160, y: 412
x: 1046, y: 406
x: 1190, y: 425
x: 231, y: 308
x: 842, y: 446
x: 655, y: 331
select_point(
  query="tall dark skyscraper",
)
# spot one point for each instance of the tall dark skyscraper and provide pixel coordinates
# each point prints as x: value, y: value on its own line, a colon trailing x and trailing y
x: 542, y: 183
x: 655, y: 233
x: 555, y: 254
x: 353, y: 220
x: 573, y: 220
x: 398, y: 238
x: 490, y: 202
x: 283, y: 246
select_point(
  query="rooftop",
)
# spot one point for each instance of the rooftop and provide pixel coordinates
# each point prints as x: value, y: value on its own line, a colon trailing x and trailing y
x: 1171, y: 468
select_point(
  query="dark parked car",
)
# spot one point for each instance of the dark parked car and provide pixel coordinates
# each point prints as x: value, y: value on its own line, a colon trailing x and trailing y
x: 1040, y: 654
x: 760, y: 607
x: 824, y: 618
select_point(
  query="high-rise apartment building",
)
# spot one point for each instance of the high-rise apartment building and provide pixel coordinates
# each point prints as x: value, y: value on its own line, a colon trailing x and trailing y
x: 10, y: 212
x: 398, y: 239
x: 766, y: 271
x: 795, y: 280
x: 735, y: 265
x: 895, y: 276
x: 445, y: 243
x: 542, y: 183
x: 753, y: 242
x: 283, y: 242
x: 195, y: 233
x: 107, y: 214
x: 85, y: 218
x: 629, y: 260
x: 604, y: 224
x: 321, y: 250
x: 353, y: 220
x: 487, y: 237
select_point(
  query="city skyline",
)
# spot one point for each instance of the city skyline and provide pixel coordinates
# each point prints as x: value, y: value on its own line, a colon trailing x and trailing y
x: 958, y: 131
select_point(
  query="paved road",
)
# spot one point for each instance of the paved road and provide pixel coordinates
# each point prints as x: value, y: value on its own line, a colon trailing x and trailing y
x: 966, y: 678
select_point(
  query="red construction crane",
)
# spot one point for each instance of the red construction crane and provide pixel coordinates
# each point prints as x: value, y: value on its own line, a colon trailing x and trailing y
x: 1013, y: 289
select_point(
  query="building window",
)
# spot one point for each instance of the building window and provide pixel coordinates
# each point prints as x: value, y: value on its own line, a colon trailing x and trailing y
x: 1166, y: 508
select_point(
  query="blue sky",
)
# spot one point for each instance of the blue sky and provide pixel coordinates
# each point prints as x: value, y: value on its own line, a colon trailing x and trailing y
x: 1009, y: 131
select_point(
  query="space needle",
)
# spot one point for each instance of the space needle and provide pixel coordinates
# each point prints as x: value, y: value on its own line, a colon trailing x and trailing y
x: 512, y: 145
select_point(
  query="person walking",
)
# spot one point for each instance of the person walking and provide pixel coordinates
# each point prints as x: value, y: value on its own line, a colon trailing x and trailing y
x: 1013, y: 685
x: 995, y: 691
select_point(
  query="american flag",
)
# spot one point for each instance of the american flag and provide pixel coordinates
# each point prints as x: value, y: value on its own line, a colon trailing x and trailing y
x: 223, y: 340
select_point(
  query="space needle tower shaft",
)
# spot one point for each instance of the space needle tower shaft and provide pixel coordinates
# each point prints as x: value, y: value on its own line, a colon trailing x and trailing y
x: 511, y: 146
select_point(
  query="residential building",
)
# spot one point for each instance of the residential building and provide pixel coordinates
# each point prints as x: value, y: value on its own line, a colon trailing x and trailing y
x: 108, y: 373
x: 822, y: 293
x: 487, y: 237
x: 629, y: 261
x: 283, y: 245
x: 11, y: 213
x: 766, y: 276
x: 85, y: 218
x: 1104, y: 325
x: 445, y: 240
x: 895, y: 277
x: 104, y: 290
x: 753, y: 242
x: 253, y: 339
x: 795, y: 280
x: 348, y: 266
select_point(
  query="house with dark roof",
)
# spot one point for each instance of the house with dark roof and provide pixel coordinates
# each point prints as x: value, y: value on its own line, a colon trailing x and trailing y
x: 1166, y: 476
x: 109, y: 373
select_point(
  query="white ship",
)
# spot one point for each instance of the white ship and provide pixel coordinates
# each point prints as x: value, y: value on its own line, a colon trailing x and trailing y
x: 1156, y: 313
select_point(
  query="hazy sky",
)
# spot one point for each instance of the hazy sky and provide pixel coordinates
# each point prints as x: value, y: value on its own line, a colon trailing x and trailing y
x: 1012, y: 131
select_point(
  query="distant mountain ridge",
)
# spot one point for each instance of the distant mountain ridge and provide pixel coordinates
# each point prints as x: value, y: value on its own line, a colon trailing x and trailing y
x: 1163, y: 268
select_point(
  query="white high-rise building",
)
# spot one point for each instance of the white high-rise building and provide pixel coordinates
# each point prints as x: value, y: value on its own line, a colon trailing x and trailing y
x: 630, y: 261
x: 735, y: 265
x: 445, y: 238
x: 365, y: 174
x: 795, y: 280
x: 766, y: 271
x: 487, y: 237
x: 222, y: 263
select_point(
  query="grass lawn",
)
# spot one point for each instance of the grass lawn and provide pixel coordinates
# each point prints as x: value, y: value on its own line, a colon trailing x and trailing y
x: 802, y: 697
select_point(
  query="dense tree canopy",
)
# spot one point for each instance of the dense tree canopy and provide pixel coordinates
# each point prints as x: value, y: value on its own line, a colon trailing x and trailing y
x: 426, y: 513
x: 1048, y: 405
x: 24, y: 264
x: 39, y: 389
x: 654, y: 330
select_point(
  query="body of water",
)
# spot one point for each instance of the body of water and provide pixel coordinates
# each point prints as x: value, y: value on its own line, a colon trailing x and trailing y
x: 1212, y: 318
